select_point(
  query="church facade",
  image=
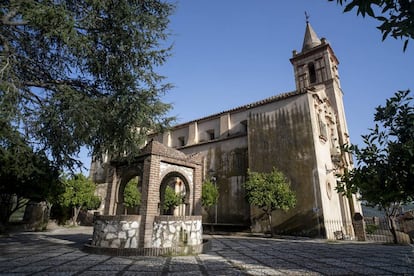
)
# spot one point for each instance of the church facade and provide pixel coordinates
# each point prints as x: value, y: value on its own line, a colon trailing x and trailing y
x: 299, y: 133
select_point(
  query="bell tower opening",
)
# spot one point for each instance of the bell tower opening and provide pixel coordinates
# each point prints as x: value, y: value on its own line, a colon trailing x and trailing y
x: 312, y: 72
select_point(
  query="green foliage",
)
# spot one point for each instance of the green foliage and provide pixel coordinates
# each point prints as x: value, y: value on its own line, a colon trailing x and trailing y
x: 93, y: 203
x: 79, y: 191
x: 385, y: 172
x: 132, y: 196
x: 396, y: 17
x: 385, y: 165
x: 79, y: 194
x: 209, y: 194
x: 269, y: 191
x: 82, y: 73
x: 24, y: 173
x: 171, y: 199
x: 371, y: 228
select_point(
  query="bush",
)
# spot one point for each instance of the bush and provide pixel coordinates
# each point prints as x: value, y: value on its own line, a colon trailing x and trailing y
x: 371, y: 228
x: 209, y: 194
x: 132, y: 196
x: 171, y: 199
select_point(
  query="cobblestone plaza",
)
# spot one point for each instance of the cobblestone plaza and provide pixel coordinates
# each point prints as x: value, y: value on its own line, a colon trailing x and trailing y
x: 59, y: 252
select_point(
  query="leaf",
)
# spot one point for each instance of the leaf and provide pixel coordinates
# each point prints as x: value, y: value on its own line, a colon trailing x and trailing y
x: 405, y: 45
x: 350, y: 6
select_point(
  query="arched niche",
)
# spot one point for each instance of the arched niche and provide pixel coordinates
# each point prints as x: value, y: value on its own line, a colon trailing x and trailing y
x: 180, y: 185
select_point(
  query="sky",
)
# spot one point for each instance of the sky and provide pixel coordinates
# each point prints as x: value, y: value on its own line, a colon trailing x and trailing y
x: 229, y: 53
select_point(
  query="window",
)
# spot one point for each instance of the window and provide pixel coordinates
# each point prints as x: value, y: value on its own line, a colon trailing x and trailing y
x: 181, y: 141
x: 312, y: 72
x: 302, y: 81
x: 320, y: 70
x: 210, y: 134
x: 244, y: 126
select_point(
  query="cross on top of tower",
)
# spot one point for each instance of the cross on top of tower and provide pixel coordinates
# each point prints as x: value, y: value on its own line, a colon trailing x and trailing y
x: 307, y: 16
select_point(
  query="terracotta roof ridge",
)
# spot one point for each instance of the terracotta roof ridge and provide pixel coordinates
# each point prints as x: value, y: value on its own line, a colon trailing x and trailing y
x: 274, y: 98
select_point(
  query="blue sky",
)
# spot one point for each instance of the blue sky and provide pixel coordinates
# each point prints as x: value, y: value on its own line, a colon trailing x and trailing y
x: 229, y: 53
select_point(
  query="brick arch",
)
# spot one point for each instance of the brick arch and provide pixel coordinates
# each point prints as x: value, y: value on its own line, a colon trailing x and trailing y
x: 126, y: 173
x: 188, y: 191
x: 155, y: 163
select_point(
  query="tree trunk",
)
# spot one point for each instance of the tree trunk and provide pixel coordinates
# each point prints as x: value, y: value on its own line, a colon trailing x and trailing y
x: 393, y: 228
x: 269, y: 216
x: 351, y: 205
x: 391, y: 214
x: 6, y: 206
x: 76, y: 211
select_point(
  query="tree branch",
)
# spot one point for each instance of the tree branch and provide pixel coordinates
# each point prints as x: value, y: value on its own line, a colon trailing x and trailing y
x: 5, y: 20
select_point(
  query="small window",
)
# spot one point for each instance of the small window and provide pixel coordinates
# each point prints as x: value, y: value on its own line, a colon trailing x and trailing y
x: 210, y: 134
x: 181, y: 141
x: 312, y: 72
x: 244, y: 126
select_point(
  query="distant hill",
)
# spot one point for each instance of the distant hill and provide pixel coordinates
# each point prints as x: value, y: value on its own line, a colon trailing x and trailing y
x: 369, y: 211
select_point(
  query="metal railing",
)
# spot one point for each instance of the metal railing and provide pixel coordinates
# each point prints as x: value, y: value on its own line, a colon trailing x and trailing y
x: 375, y: 229
x: 339, y: 230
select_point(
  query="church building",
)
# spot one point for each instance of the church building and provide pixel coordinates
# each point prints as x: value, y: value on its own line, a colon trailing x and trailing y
x: 299, y: 133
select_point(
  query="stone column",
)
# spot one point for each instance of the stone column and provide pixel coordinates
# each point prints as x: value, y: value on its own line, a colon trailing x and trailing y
x: 197, y: 187
x: 150, y: 198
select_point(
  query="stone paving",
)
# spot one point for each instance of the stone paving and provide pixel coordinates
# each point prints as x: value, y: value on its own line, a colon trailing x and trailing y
x: 59, y: 252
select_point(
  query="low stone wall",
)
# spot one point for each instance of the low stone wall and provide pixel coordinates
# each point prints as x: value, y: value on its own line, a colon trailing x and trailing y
x: 116, y: 231
x: 119, y: 235
x: 169, y: 251
x: 177, y: 231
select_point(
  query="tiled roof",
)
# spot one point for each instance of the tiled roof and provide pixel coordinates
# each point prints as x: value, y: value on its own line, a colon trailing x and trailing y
x: 275, y: 98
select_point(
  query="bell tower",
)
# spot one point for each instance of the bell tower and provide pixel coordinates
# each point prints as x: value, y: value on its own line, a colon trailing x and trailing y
x: 317, y: 65
x: 316, y: 69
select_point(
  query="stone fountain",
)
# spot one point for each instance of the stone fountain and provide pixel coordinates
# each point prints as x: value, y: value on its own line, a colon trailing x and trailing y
x: 152, y: 232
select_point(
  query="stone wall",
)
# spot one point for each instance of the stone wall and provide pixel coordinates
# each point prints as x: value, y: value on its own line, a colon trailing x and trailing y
x: 116, y: 231
x: 173, y: 231
x: 282, y: 137
x: 226, y: 160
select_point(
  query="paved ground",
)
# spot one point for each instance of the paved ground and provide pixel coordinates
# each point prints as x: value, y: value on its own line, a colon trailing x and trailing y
x: 59, y: 253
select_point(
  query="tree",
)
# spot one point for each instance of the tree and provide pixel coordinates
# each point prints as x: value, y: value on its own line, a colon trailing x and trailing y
x: 132, y: 196
x: 209, y: 194
x: 79, y: 193
x: 384, y: 175
x: 396, y: 16
x: 82, y: 73
x: 24, y: 174
x: 171, y: 199
x: 270, y: 192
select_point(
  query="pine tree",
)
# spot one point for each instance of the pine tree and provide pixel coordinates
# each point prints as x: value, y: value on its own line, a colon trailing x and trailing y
x: 82, y: 73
